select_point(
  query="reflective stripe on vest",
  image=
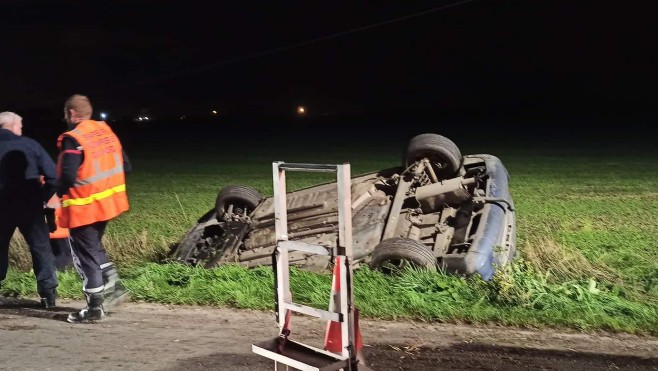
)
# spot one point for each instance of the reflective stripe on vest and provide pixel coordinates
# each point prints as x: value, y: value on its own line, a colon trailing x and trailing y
x: 100, y: 175
x: 95, y: 197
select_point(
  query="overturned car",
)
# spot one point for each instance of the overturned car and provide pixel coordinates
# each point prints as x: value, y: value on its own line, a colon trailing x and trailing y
x: 438, y: 210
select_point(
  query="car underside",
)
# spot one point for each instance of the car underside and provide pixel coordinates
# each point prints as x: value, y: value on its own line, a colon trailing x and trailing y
x: 439, y: 210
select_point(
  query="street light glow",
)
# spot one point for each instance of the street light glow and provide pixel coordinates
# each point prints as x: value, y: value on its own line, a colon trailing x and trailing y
x: 103, y: 115
x: 301, y: 110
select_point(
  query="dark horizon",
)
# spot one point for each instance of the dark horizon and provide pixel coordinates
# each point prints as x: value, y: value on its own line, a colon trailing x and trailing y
x: 246, y: 135
x: 497, y: 59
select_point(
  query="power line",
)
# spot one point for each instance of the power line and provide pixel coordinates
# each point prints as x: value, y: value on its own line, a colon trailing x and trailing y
x: 288, y: 47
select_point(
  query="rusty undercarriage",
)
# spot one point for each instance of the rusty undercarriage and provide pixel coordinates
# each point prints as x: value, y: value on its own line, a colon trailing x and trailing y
x: 439, y: 210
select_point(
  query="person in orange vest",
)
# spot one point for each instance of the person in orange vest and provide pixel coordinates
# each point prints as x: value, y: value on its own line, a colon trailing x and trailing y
x: 60, y: 242
x: 91, y: 169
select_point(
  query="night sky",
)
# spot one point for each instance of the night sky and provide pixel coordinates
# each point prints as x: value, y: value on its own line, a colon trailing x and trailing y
x: 518, y: 58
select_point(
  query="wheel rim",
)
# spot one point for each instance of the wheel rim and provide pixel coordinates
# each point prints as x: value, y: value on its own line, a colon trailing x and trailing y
x: 439, y: 164
x: 234, y: 210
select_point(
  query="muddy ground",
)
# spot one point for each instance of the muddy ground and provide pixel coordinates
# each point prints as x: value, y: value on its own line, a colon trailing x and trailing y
x: 140, y: 336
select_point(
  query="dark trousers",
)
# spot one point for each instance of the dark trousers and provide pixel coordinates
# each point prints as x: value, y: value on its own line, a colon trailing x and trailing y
x: 27, y: 215
x: 62, y: 250
x: 89, y: 254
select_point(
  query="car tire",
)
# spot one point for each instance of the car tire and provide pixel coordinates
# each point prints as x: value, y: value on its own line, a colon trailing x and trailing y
x: 441, y: 151
x: 396, y: 254
x: 241, y: 197
x: 188, y: 245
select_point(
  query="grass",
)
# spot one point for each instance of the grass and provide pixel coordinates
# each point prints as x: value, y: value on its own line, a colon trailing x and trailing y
x: 587, y: 221
x: 519, y: 296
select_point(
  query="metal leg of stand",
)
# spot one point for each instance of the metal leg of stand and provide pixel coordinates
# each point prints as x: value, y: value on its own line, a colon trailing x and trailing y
x: 289, y: 355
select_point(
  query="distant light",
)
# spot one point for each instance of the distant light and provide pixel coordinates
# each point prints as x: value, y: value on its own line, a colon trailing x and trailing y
x: 214, y: 112
x: 182, y: 117
x: 146, y: 118
x: 103, y: 115
x: 301, y: 110
x: 140, y: 118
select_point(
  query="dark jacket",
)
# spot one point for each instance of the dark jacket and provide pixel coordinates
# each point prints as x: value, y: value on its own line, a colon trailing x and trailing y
x: 22, y: 163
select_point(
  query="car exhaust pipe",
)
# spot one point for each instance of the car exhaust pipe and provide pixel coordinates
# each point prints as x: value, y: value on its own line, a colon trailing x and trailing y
x: 445, y: 191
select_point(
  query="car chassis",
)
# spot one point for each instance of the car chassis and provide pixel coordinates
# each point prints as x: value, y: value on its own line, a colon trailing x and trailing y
x: 439, y: 210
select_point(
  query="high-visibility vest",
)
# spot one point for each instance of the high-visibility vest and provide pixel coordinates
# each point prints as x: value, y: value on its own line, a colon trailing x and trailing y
x: 99, y: 192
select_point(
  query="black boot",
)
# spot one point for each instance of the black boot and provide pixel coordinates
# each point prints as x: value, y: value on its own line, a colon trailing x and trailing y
x: 92, y: 312
x: 115, y: 292
x: 48, y: 297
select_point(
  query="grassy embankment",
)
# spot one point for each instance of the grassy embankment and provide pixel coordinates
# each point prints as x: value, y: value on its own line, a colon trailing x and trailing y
x: 587, y: 227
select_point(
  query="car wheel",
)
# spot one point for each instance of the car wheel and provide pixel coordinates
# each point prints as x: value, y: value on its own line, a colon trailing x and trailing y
x: 443, y: 153
x: 239, y: 200
x: 397, y: 254
x: 188, y: 246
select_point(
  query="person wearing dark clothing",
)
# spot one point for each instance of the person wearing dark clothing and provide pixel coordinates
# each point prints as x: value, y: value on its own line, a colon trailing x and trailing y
x: 61, y: 248
x: 60, y: 238
x: 23, y: 163
x: 91, y: 183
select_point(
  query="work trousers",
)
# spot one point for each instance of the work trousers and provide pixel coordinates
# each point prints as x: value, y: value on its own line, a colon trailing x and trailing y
x: 26, y: 213
x: 89, y: 255
x: 62, y: 250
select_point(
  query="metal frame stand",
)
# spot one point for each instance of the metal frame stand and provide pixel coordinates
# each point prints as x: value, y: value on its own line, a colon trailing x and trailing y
x: 283, y: 351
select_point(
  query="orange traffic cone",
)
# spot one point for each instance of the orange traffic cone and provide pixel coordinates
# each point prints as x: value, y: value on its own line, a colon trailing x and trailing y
x: 333, y: 339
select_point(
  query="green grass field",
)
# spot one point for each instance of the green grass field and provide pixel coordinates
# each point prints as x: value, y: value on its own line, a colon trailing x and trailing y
x: 587, y: 227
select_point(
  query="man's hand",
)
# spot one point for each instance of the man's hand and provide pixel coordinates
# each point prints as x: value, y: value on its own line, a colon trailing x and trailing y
x: 54, y: 203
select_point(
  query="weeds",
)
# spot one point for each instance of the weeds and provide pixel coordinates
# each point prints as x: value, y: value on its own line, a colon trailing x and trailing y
x: 587, y: 227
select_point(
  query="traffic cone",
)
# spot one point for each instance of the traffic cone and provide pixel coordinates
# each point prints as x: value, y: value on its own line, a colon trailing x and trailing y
x: 333, y: 340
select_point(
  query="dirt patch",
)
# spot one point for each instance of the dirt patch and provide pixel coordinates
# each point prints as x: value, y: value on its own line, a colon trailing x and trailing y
x: 491, y: 357
x: 158, y: 337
